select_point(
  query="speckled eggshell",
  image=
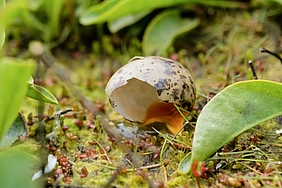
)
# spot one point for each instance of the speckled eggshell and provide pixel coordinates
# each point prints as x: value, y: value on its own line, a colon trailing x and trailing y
x: 172, y: 81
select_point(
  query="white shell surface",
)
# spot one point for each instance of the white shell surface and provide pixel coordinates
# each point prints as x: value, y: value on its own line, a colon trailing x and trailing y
x: 145, y: 80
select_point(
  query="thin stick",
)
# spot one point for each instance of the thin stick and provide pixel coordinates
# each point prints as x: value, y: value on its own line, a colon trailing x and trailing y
x: 108, y: 158
x: 263, y: 50
x: 148, y: 167
x: 254, y: 170
x: 165, y: 173
x: 253, y: 69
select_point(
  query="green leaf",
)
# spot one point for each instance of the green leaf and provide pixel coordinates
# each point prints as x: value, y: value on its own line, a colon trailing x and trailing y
x: 17, y: 129
x: 163, y: 29
x: 2, y: 26
x: 222, y: 3
x: 114, y: 9
x: 40, y: 93
x: 54, y: 10
x: 8, y: 13
x: 33, y: 22
x: 184, y: 165
x: 12, y: 11
x: 278, y: 1
x: 14, y: 74
x: 30, y: 80
x: 125, y: 21
x: 12, y: 163
x: 234, y: 110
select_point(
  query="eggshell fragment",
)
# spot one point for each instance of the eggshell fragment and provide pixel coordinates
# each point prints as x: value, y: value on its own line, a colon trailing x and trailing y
x: 146, y: 89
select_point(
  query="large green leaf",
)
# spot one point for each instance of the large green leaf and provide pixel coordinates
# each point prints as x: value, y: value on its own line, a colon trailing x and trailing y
x: 14, y: 75
x: 163, y: 29
x: 234, y: 110
x: 113, y: 9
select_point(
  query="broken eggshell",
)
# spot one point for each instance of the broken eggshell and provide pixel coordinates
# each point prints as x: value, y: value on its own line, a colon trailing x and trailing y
x: 146, y: 89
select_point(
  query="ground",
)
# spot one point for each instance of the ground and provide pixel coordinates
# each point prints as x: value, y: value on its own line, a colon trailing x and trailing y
x: 108, y: 151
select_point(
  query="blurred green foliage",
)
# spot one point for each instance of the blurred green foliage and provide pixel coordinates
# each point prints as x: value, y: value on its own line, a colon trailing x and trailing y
x: 14, y: 86
x: 2, y: 26
x: 13, y: 162
x: 14, y: 74
x: 54, y: 21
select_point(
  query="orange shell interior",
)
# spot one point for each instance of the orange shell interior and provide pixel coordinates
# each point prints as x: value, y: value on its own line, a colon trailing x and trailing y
x: 164, y: 113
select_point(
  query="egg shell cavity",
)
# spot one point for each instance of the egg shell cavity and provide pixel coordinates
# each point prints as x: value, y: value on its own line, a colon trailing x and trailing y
x: 150, y: 79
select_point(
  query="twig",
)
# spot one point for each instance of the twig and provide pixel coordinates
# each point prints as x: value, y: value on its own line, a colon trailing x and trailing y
x: 162, y: 150
x: 252, y: 169
x: 168, y: 138
x: 57, y: 124
x: 263, y: 50
x: 253, y: 69
x: 148, y: 167
x: 165, y: 173
x: 64, y: 74
x: 108, y: 158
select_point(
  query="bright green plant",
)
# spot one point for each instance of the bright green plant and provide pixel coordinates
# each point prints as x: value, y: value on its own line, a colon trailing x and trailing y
x: 110, y: 10
x: 52, y: 21
x: 162, y: 29
x: 13, y: 162
x: 155, y: 41
x: 39, y: 17
x: 14, y: 86
x: 48, y: 21
x: 114, y: 9
x: 47, y: 24
x: 14, y: 74
x: 234, y: 110
x: 40, y: 93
